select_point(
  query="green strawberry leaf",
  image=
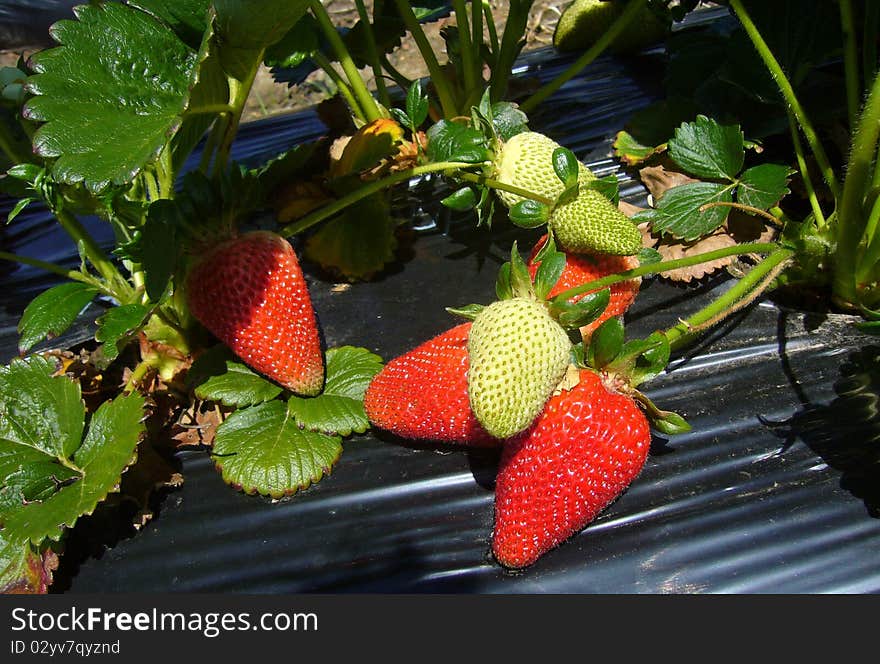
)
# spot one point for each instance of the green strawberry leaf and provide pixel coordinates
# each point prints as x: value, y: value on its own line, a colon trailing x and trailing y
x: 462, y: 200
x: 108, y: 449
x: 263, y: 450
x: 520, y: 279
x: 763, y: 186
x: 503, y: 289
x: 188, y: 18
x: 672, y: 424
x: 606, y: 343
x: 529, y: 213
x: 110, y: 96
x: 453, y: 141
x: 300, y: 43
x: 39, y: 411
x: 548, y: 272
x: 566, y: 166
x: 116, y: 327
x: 256, y: 24
x: 607, y: 185
x: 642, y: 359
x: 508, y: 120
x: 339, y: 409
x: 649, y: 256
x: 468, y: 311
x: 573, y: 315
x: 708, y: 149
x: 52, y: 312
x: 678, y: 211
x: 237, y: 386
x: 416, y: 105
x: 160, y: 247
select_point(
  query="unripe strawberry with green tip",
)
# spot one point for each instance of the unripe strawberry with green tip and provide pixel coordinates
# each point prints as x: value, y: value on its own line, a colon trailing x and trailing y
x: 587, y: 222
x: 249, y: 292
x: 525, y: 160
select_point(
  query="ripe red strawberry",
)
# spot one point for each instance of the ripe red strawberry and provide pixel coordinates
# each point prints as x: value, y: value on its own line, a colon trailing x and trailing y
x: 582, y: 268
x: 580, y: 454
x: 423, y: 393
x: 250, y: 293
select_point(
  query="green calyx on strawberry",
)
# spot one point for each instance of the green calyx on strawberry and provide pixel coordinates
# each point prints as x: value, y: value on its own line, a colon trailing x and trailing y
x: 250, y: 293
x: 588, y: 444
x: 583, y: 268
x: 518, y: 347
x: 582, y: 217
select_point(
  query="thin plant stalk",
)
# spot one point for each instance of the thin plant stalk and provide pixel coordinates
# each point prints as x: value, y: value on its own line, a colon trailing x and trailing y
x: 358, y: 87
x: 465, y: 45
x: 785, y: 87
x: 851, y: 60
x: 665, y: 266
x: 73, y: 275
x: 114, y: 280
x: 503, y: 186
x: 494, y: 44
x: 502, y: 68
x: 869, y: 40
x: 367, y: 190
x: 851, y: 218
x: 740, y: 295
x: 818, y: 215
x: 633, y: 8
x: 341, y: 85
x: 373, y: 54
x: 438, y: 78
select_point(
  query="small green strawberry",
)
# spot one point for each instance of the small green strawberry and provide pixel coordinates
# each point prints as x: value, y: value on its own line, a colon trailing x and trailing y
x: 526, y: 161
x: 518, y: 347
x: 518, y: 354
x: 584, y: 21
x: 586, y: 223
x: 592, y: 223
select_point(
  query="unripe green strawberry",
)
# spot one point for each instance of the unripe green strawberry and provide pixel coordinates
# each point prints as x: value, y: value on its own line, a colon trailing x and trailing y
x: 592, y: 223
x: 518, y: 354
x: 584, y: 21
x: 525, y: 161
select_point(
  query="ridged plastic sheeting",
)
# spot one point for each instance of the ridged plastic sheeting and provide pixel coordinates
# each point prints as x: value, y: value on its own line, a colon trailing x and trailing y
x: 775, y: 490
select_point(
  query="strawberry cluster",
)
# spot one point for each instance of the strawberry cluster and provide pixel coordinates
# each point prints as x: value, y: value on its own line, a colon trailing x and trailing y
x: 563, y: 461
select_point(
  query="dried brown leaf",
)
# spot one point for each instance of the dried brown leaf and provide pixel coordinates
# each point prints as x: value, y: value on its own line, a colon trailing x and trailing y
x: 196, y: 426
x: 674, y: 250
x: 658, y: 179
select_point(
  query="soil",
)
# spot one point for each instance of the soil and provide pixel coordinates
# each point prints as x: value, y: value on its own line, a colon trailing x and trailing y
x: 269, y: 97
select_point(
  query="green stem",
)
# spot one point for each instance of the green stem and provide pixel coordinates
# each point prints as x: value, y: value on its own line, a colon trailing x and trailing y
x: 513, y: 189
x: 821, y: 222
x: 213, y: 109
x: 494, y: 44
x: 18, y: 150
x: 373, y: 54
x: 239, y: 92
x: 358, y: 87
x: 343, y: 87
x: 788, y: 94
x: 869, y: 40
x: 852, y: 220
x: 851, y: 60
x: 632, y: 10
x: 664, y: 266
x: 74, y: 275
x: 401, y: 80
x: 368, y: 189
x: 137, y: 374
x: 115, y: 282
x: 872, y: 252
x: 477, y: 37
x: 741, y: 294
x: 465, y: 45
x: 511, y: 37
x: 438, y: 78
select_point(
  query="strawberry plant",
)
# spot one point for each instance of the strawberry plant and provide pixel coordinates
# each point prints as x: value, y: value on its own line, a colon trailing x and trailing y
x: 208, y: 334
